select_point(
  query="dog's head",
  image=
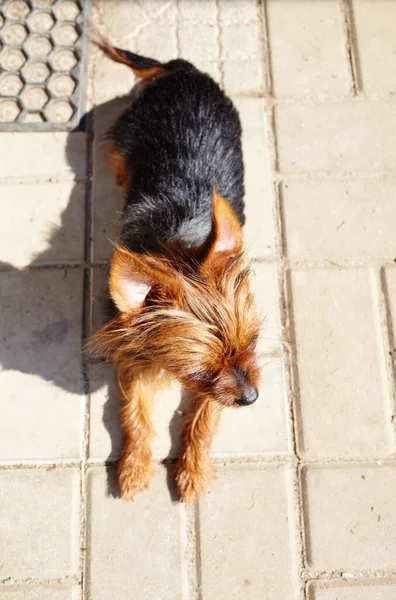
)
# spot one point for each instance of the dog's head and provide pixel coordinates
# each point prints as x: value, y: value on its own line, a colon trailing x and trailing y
x: 193, y: 316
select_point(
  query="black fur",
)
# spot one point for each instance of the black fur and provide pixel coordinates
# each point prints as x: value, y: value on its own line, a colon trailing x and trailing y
x: 182, y: 139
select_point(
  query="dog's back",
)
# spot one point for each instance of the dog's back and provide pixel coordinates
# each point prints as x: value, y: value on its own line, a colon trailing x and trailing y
x: 184, y: 309
x: 179, y: 140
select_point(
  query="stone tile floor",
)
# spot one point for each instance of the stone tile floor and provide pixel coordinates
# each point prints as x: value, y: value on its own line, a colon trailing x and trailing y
x: 303, y: 506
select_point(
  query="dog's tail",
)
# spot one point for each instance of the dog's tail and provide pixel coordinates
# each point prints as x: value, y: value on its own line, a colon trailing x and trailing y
x: 141, y: 65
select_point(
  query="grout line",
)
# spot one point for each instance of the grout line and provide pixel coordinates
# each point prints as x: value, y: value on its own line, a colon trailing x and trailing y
x: 264, y: 90
x: 350, y: 575
x: 196, y: 568
x: 37, y: 582
x: 332, y: 174
x: 184, y: 553
x: 291, y: 391
x: 307, y: 591
x: 219, y: 460
x: 190, y: 554
x: 336, y: 175
x: 342, y: 264
x: 350, y: 46
x: 64, y: 265
x: 86, y: 328
x: 346, y: 461
x: 289, y: 263
x: 177, y: 30
x: 293, y: 175
x: 388, y: 344
x: 265, y: 48
x: 383, y: 351
x: 43, y: 179
x: 188, y: 533
x: 220, y: 57
x: 296, y: 532
x: 46, y: 465
x: 294, y: 496
x: 260, y: 460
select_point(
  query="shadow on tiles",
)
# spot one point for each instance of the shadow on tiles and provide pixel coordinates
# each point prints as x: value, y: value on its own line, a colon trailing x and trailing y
x: 41, y: 317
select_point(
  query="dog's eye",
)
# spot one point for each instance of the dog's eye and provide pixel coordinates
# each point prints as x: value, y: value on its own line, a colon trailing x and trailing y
x: 205, y: 376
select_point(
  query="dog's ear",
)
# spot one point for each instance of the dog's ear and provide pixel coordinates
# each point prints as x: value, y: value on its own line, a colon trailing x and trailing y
x: 226, y: 237
x: 132, y: 277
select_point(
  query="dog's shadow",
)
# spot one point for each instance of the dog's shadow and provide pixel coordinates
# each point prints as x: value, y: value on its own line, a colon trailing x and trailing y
x: 43, y: 315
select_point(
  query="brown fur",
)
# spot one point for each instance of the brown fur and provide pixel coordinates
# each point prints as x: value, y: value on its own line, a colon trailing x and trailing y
x: 111, y: 51
x: 135, y: 467
x: 118, y: 164
x: 184, y: 313
x: 195, y: 471
x: 197, y: 324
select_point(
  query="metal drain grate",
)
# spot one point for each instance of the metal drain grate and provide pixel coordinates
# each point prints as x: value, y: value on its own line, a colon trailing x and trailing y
x: 42, y: 63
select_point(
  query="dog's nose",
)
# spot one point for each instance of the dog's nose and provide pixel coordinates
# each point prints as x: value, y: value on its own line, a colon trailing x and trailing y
x: 250, y: 396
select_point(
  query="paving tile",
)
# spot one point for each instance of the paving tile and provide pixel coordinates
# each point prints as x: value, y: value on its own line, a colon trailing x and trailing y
x: 110, y: 79
x: 343, y: 396
x: 107, y: 197
x: 241, y: 49
x: 24, y: 154
x: 258, y: 191
x: 238, y: 11
x: 107, y: 79
x: 119, y: 531
x: 101, y: 304
x: 333, y: 219
x: 105, y: 435
x: 199, y: 42
x: 243, y: 77
x: 368, y: 590
x: 143, y: 28
x: 198, y: 35
x: 355, y: 135
x: 44, y: 504
x: 245, y: 537
x: 265, y: 289
x: 41, y: 378
x: 17, y: 592
x: 160, y: 12
x: 120, y: 20
x: 42, y: 223
x: 261, y: 428
x: 157, y: 40
x: 306, y: 45
x: 376, y: 44
x: 350, y: 517
x: 197, y: 11
x: 241, y: 43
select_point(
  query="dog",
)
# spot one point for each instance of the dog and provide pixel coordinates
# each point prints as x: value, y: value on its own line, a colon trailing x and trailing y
x: 178, y: 276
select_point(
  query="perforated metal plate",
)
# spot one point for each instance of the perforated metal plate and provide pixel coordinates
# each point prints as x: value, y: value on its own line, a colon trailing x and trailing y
x: 42, y: 63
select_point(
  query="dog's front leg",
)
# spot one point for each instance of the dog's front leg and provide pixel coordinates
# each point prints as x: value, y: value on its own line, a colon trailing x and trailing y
x: 135, y: 467
x: 195, y: 470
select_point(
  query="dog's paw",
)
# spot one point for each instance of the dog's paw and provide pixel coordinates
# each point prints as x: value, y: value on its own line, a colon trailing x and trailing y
x: 192, y: 484
x: 134, y: 478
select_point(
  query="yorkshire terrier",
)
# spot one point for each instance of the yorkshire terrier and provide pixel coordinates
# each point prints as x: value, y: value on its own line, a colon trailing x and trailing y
x: 178, y: 278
